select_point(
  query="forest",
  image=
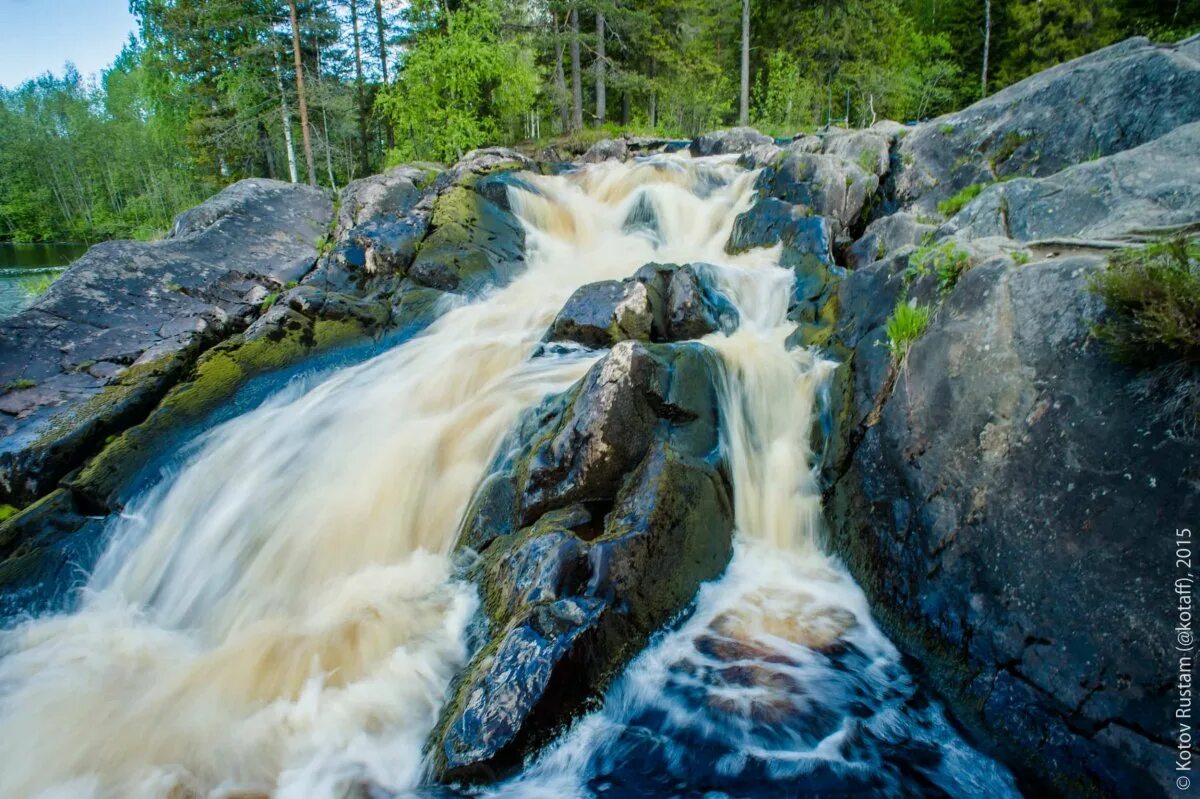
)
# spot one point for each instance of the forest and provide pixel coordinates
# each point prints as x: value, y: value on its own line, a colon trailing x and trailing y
x: 208, y: 92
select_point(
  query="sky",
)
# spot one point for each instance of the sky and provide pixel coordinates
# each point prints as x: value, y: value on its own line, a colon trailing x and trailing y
x: 39, y: 36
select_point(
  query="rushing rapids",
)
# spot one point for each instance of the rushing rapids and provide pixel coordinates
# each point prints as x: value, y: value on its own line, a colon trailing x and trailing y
x: 281, y: 616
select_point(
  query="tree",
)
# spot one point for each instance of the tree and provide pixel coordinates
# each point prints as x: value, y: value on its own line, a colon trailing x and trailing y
x: 460, y: 88
x: 303, y: 101
x: 987, y: 44
x: 601, y: 100
x: 576, y: 76
x: 744, y: 108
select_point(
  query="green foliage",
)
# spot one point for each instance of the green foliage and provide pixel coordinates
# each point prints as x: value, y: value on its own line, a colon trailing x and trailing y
x: 39, y: 284
x: 906, y: 324
x: 1021, y: 257
x: 952, y: 205
x: 1153, y: 298
x: 21, y: 383
x: 268, y: 301
x: 460, y: 88
x: 947, y: 260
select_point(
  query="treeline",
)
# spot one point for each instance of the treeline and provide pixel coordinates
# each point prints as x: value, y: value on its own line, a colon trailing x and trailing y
x: 324, y: 91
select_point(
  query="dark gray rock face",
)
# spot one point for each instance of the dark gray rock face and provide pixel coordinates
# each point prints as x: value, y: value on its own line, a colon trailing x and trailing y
x: 824, y: 185
x: 661, y: 302
x: 128, y: 317
x: 607, y: 508
x: 606, y: 149
x: 1102, y: 103
x: 731, y: 140
x: 886, y: 236
x: 1004, y: 499
x: 1156, y: 185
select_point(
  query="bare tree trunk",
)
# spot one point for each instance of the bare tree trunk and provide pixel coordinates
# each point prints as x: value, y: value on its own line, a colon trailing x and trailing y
x: 744, y: 110
x: 264, y: 141
x: 601, y: 98
x: 379, y: 29
x: 653, y: 93
x: 987, y: 44
x: 308, y: 153
x: 358, y: 89
x: 328, y: 153
x: 560, y: 78
x: 576, y: 77
x: 287, y: 122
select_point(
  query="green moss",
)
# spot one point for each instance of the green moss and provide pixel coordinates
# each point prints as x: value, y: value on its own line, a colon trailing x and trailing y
x: 268, y: 301
x: 21, y: 383
x: 1022, y: 257
x: 946, y: 129
x: 952, y: 205
x: 7, y: 512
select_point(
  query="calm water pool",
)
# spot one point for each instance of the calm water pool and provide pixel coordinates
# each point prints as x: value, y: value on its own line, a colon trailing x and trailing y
x: 26, y: 270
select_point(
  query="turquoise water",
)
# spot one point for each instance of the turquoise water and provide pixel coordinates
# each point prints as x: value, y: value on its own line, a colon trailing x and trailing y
x: 26, y: 270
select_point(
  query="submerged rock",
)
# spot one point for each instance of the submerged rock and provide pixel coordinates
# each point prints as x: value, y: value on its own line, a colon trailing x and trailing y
x: 608, y: 508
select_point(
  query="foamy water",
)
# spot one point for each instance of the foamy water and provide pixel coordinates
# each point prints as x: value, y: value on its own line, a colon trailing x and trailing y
x: 280, y: 618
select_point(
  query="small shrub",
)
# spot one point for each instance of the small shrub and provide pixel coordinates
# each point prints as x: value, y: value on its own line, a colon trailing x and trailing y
x: 951, y: 206
x: 1021, y: 257
x: 268, y: 301
x: 868, y: 160
x: 1153, y: 297
x: 904, y: 326
x: 945, y: 260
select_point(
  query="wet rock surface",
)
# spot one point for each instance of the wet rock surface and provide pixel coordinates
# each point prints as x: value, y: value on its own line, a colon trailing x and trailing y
x: 607, y: 508
x: 101, y: 346
x: 661, y: 302
x: 308, y: 284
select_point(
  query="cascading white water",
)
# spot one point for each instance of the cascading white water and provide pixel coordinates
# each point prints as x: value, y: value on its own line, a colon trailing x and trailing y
x: 279, y: 617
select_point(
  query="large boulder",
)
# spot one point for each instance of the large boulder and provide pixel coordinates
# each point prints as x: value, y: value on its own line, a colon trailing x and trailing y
x: 1102, y: 103
x: 1154, y: 186
x: 661, y: 302
x: 825, y: 185
x: 98, y: 350
x: 606, y: 509
x: 886, y: 236
x: 730, y: 140
x: 1001, y: 497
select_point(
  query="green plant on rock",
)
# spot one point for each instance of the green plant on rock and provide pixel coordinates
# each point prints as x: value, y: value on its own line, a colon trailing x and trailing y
x: 868, y: 161
x: 952, y: 205
x: 1021, y: 257
x: 1153, y: 324
x: 1153, y: 297
x: 268, y: 301
x: 1007, y: 146
x: 21, y: 383
x: 946, y: 260
x: 906, y: 324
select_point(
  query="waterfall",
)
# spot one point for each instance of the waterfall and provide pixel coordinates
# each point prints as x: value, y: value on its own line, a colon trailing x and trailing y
x: 280, y: 616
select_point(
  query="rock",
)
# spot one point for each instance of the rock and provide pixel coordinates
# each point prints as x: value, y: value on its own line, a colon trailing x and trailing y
x: 606, y: 149
x: 887, y: 235
x: 143, y: 311
x: 1156, y: 185
x: 825, y: 185
x: 1103, y: 103
x: 601, y: 314
x: 731, y: 140
x: 868, y: 149
x: 606, y: 509
x: 995, y: 498
x: 661, y: 302
x: 472, y: 243
x: 760, y: 155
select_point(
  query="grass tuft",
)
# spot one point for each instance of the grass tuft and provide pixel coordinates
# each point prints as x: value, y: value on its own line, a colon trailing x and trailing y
x: 952, y: 205
x: 906, y: 324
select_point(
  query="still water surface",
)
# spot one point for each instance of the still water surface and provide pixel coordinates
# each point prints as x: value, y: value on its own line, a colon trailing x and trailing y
x: 26, y: 270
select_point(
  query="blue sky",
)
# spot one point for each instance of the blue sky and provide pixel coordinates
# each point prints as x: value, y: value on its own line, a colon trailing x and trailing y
x: 39, y: 36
